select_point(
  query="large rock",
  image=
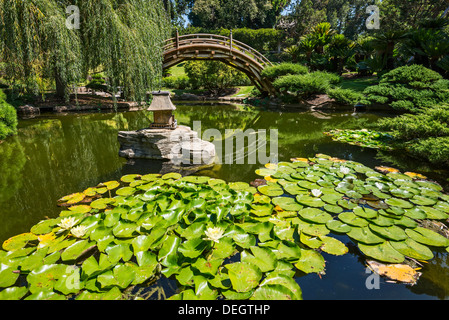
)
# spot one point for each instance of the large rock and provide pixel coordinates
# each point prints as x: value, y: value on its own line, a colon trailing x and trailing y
x: 179, y: 146
x: 28, y: 111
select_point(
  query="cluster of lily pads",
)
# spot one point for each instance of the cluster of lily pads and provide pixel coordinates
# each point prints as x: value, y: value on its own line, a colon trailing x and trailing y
x: 222, y: 240
x: 363, y: 137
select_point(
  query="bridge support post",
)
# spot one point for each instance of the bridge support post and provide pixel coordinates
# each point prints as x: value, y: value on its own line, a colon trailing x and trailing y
x: 230, y: 41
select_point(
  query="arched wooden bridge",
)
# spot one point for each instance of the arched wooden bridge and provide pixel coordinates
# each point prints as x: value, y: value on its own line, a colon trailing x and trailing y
x: 214, y: 47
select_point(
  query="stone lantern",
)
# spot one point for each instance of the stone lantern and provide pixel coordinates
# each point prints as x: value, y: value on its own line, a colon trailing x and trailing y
x: 162, y: 108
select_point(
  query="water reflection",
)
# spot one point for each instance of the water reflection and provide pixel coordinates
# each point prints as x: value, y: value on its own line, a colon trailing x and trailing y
x: 57, y: 155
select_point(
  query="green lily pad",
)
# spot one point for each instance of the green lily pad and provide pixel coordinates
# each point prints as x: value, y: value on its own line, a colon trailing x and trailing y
x: 101, y: 203
x: 130, y: 178
x: 353, y: 220
x: 338, y: 226
x: 13, y: 293
x: 119, y: 252
x: 364, y: 235
x: 263, y: 258
x: 75, y: 250
x: 312, y: 242
x: 411, y: 248
x: 273, y: 293
x: 365, y: 212
x: 8, y: 276
x: 287, y: 204
x: 244, y: 276
x: 427, y: 237
x: 310, y: 201
x: 312, y: 229
x: 333, y: 246
x: 18, y: 242
x: 382, y: 252
x: 391, y: 233
x: 395, y: 202
x: 423, y: 201
x: 315, y: 215
x: 434, y: 214
x: 45, y: 277
x: 125, y: 191
x: 271, y: 190
x: 311, y: 261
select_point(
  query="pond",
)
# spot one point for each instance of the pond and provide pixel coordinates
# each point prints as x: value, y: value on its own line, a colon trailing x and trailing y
x: 55, y: 155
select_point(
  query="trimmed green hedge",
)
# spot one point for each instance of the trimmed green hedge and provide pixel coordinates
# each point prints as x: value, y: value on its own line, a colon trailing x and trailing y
x: 410, y: 88
x: 305, y: 85
x: 283, y: 69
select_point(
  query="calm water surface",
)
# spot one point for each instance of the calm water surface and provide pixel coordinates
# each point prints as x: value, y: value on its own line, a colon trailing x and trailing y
x: 55, y: 155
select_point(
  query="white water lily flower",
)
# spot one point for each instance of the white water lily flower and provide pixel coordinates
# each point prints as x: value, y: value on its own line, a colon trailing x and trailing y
x: 316, y: 192
x: 344, y: 170
x: 67, y: 223
x: 379, y: 185
x: 214, y: 234
x: 78, y: 231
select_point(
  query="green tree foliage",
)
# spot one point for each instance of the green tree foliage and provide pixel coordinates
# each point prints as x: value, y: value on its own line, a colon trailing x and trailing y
x: 214, y: 14
x: 265, y: 39
x: 122, y: 37
x: 408, y: 14
x: 8, y: 118
x: 214, y: 76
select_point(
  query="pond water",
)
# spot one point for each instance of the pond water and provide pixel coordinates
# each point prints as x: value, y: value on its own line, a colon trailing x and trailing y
x: 55, y: 155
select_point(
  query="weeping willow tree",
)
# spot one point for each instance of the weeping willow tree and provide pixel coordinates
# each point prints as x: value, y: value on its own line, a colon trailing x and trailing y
x: 122, y: 38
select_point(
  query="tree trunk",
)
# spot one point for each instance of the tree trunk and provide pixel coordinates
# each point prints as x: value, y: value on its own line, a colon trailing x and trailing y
x: 61, y: 87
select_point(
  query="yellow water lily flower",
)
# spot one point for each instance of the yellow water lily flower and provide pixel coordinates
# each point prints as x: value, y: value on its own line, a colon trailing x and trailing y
x: 214, y: 234
x: 316, y: 192
x: 67, y: 223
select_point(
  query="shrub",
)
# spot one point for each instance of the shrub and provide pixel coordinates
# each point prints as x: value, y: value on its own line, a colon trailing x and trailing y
x: 430, y: 123
x: 180, y: 82
x: 410, y: 88
x: 308, y: 84
x: 214, y: 76
x: 345, y: 96
x: 283, y: 69
x: 8, y: 118
x: 435, y: 149
x: 409, y: 74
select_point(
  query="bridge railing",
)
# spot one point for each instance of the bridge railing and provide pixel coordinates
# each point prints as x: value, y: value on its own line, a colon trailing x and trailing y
x: 205, y: 38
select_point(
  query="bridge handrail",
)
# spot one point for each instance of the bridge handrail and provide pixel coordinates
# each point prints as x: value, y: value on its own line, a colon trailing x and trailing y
x: 232, y: 44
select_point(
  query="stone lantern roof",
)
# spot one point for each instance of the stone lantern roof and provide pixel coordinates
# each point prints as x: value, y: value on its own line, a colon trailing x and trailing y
x: 161, y: 102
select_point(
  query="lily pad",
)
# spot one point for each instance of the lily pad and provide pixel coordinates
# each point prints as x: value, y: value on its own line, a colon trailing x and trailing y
x: 310, y: 201
x: 244, y: 276
x: 315, y: 215
x: 338, y: 226
x: 411, y: 248
x: 427, y: 237
x: 311, y: 261
x: 391, y: 233
x: 333, y: 246
x: 399, y: 203
x: 353, y: 220
x: 382, y: 252
x: 364, y: 235
x: 271, y: 190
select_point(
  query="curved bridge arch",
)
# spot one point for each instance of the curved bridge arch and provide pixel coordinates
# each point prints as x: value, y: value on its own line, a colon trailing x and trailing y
x: 234, y: 53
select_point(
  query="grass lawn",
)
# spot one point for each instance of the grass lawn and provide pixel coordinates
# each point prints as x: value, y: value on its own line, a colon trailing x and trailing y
x: 177, y: 70
x: 359, y: 84
x: 244, y: 91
